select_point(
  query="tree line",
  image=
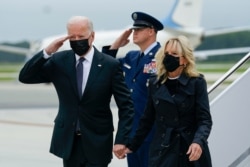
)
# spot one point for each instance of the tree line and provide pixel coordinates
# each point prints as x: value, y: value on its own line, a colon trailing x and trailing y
x: 232, y: 40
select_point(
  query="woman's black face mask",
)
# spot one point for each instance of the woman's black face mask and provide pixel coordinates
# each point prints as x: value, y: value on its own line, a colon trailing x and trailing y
x: 80, y: 47
x: 171, y: 62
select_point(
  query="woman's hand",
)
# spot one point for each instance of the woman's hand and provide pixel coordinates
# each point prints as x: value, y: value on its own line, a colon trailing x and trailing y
x: 194, y: 152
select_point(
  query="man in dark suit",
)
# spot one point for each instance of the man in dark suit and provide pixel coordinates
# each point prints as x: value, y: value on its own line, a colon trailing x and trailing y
x: 83, y: 130
x: 138, y: 67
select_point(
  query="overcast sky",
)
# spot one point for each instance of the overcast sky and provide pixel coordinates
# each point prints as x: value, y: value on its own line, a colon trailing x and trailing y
x: 36, y: 19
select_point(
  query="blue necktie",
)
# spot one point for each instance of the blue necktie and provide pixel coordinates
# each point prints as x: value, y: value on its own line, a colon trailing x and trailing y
x: 79, y: 76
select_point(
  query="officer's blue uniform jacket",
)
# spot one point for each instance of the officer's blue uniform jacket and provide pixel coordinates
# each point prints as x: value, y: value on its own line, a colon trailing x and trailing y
x: 137, y: 79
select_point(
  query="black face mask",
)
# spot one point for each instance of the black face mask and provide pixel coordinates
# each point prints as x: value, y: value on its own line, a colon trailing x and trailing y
x: 171, y: 62
x: 80, y: 47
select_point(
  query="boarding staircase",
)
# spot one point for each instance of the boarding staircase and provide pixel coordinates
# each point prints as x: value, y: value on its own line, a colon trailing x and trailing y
x: 229, y: 141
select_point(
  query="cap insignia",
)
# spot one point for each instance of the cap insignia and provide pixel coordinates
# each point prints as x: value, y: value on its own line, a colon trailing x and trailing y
x: 135, y: 16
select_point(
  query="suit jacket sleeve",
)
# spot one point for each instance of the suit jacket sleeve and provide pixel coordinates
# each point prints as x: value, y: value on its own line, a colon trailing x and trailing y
x: 113, y: 53
x: 125, y: 106
x: 33, y: 72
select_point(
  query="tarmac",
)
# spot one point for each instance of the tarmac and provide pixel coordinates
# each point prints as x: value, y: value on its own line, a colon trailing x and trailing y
x: 27, y: 113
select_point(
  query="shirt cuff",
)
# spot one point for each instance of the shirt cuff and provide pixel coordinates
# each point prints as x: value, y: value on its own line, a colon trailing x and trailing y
x: 46, y: 55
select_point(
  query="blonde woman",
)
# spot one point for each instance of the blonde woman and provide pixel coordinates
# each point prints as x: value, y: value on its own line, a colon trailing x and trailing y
x: 179, y: 107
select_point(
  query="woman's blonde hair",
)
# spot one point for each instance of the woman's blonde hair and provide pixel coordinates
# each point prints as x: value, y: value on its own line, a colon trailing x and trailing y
x: 183, y: 48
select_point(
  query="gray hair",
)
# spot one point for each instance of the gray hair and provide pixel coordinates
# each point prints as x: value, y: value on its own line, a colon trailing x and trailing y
x: 81, y: 20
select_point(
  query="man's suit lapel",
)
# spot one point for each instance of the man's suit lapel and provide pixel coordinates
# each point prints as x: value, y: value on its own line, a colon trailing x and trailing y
x: 95, y: 69
x: 69, y: 64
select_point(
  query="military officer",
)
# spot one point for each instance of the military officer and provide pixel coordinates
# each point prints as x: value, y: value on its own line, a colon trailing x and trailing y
x: 138, y: 66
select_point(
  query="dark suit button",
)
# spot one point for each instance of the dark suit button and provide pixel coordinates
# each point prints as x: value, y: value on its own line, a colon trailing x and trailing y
x: 176, y: 119
x: 157, y: 102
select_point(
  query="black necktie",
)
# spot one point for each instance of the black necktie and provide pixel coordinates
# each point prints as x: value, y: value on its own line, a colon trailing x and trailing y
x: 79, y: 75
x: 140, y: 57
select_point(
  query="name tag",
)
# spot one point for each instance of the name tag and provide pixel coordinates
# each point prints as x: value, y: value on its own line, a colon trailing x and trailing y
x: 127, y: 66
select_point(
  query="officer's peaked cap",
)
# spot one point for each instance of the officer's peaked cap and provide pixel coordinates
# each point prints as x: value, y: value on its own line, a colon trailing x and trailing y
x: 142, y: 20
